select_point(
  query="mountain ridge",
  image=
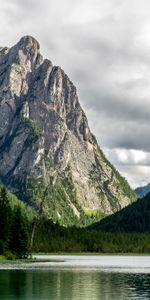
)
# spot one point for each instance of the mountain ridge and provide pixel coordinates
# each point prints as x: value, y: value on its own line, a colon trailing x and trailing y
x: 132, y: 218
x: 47, y: 150
x: 142, y: 191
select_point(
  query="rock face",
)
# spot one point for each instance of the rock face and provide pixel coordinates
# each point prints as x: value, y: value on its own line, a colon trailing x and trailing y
x: 47, y: 152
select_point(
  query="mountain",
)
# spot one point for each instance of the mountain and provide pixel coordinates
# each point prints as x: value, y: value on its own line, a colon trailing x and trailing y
x: 48, y: 155
x: 133, y: 218
x: 143, y: 190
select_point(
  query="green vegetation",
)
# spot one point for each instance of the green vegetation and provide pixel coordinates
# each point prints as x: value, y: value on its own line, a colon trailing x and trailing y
x: 133, y: 218
x: 5, y: 217
x: 113, y: 187
x: 122, y: 182
x: 56, y: 200
x: 13, y: 228
x: 50, y: 237
x: 93, y: 212
x: 26, y: 209
x: 35, y: 130
x: 90, y: 216
x: 60, y: 201
x: 18, y: 242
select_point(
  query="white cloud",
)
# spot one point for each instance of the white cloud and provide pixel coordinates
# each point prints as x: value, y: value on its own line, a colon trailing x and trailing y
x: 137, y: 175
x: 129, y: 156
x: 133, y: 164
x: 104, y: 46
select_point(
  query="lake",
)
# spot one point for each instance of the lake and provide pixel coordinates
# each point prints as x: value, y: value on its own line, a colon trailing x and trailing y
x: 77, y: 278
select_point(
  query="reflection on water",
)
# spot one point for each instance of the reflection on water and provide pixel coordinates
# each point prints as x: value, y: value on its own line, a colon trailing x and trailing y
x: 73, y: 285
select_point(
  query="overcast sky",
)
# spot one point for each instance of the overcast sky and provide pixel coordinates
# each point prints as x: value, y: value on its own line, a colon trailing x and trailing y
x: 104, y: 47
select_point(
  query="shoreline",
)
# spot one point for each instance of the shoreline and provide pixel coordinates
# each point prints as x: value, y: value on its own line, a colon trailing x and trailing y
x: 37, y: 259
x: 80, y: 263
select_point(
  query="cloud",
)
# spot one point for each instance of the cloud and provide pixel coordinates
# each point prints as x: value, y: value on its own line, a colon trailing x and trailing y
x: 129, y: 157
x: 133, y: 164
x: 136, y: 175
x: 104, y: 47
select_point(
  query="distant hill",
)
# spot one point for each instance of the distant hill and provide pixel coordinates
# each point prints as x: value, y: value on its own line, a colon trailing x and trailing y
x: 133, y: 218
x: 143, y: 190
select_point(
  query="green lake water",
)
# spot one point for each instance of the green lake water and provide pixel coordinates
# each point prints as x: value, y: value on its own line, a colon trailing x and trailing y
x: 78, y: 278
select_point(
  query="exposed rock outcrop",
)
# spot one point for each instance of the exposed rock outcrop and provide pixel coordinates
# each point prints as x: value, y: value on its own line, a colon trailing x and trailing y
x: 46, y: 146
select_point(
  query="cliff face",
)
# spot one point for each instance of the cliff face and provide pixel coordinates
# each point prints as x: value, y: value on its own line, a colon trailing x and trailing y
x: 47, y: 152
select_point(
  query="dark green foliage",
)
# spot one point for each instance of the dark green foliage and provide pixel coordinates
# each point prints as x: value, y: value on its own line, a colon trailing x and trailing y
x: 35, y: 130
x: 13, y: 225
x: 133, y: 218
x: 19, y: 234
x: 2, y: 246
x: 87, y: 218
x: 5, y: 216
x: 51, y: 237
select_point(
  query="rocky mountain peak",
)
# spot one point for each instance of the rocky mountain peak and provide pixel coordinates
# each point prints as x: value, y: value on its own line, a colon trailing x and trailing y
x: 29, y: 42
x: 26, y: 52
x: 46, y: 146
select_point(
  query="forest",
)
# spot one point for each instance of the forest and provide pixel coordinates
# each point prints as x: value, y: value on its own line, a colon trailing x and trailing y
x: 16, y: 231
x: 133, y: 218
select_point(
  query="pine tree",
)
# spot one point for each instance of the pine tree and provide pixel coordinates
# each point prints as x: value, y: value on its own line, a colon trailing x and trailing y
x: 5, y: 217
x: 19, y: 234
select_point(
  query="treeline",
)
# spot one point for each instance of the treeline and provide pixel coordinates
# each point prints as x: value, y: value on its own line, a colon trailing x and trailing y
x: 51, y: 237
x: 14, y: 228
x: 133, y: 218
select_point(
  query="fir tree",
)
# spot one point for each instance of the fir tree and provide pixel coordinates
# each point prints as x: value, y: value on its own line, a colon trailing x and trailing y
x: 5, y: 217
x: 19, y: 234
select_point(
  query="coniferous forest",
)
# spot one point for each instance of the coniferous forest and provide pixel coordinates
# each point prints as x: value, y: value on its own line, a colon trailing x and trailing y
x: 133, y: 218
x: 14, y: 228
x: 16, y: 231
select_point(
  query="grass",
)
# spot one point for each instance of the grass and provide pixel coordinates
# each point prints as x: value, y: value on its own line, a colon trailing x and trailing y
x: 90, y: 212
x: 4, y: 260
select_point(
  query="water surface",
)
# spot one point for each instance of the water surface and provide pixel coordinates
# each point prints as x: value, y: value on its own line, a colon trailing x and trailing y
x: 78, y: 278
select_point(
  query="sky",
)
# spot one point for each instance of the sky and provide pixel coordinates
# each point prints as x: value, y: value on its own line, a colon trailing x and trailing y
x: 104, y: 47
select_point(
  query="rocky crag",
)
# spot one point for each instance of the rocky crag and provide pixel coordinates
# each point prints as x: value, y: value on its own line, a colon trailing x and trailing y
x: 48, y: 155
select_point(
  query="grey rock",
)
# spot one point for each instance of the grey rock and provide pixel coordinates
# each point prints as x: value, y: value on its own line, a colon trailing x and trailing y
x: 44, y: 133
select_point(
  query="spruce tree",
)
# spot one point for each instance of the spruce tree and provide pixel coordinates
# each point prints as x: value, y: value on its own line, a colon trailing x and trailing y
x: 5, y: 217
x: 19, y: 234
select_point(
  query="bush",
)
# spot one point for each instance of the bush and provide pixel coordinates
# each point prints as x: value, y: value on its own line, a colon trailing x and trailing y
x: 9, y: 255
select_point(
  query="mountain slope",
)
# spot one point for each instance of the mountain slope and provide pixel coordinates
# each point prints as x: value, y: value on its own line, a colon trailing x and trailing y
x: 143, y: 190
x: 48, y: 156
x: 133, y: 218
